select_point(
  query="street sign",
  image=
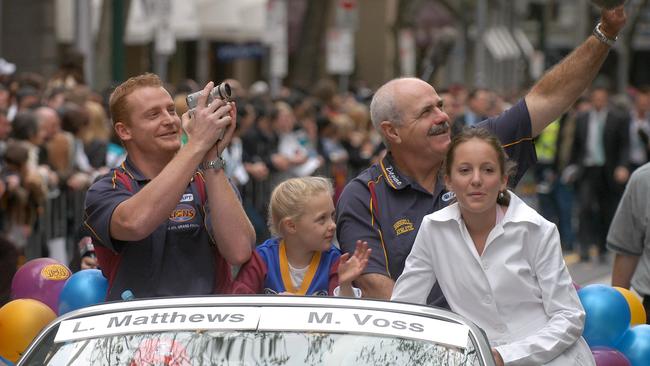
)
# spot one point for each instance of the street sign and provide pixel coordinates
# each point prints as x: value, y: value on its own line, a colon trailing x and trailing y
x: 347, y: 14
x: 277, y: 38
x: 164, y: 40
x: 229, y: 52
x: 340, y: 51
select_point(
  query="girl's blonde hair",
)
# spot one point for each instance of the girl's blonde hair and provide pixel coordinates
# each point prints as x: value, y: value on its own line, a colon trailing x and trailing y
x: 290, y: 197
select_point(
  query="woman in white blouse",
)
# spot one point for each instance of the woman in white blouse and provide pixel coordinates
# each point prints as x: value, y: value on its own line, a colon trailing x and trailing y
x: 498, y: 262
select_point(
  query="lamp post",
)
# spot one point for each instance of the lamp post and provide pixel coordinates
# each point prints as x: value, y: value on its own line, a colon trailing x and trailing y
x: 117, y: 42
x: 84, y: 38
x: 164, y: 39
x: 479, y: 49
x: 277, y: 39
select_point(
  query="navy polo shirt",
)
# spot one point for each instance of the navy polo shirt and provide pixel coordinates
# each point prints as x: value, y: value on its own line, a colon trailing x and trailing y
x: 385, y: 207
x: 178, y: 258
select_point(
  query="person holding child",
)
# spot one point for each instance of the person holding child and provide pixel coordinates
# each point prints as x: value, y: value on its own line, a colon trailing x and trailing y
x: 300, y: 259
x: 514, y: 283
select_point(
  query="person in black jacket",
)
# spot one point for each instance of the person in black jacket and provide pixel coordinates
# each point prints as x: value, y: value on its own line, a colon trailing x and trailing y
x: 600, y: 153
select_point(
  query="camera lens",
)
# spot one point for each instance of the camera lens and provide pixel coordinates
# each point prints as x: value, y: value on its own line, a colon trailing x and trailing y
x: 224, y: 91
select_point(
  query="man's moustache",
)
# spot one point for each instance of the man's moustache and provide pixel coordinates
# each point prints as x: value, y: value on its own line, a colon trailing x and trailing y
x: 439, y: 129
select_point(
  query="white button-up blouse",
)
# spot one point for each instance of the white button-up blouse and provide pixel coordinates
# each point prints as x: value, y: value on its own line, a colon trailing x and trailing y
x: 519, y: 290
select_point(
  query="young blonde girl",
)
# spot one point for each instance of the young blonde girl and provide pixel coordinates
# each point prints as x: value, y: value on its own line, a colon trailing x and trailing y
x: 300, y: 258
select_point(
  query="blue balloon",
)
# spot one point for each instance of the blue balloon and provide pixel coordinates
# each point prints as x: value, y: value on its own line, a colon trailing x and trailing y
x: 608, y: 315
x: 635, y: 345
x: 4, y: 361
x: 84, y: 288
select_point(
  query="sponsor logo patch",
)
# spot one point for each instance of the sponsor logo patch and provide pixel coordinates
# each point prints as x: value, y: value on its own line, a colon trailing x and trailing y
x: 403, y: 226
x: 187, y: 197
x: 183, y: 213
x: 55, y: 272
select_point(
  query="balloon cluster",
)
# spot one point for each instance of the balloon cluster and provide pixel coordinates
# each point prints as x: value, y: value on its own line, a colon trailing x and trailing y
x: 41, y: 289
x: 615, y: 326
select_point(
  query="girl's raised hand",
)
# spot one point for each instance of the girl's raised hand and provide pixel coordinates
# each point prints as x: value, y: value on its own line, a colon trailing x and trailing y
x: 351, y: 267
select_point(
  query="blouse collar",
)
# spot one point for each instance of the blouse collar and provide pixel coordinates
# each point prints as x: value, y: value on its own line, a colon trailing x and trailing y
x: 517, y: 211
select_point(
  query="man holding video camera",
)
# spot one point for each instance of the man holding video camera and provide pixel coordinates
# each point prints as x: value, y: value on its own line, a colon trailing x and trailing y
x: 160, y: 226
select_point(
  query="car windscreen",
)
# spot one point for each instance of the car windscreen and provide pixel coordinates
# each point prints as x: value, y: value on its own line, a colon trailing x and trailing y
x: 273, y: 335
x: 251, y: 348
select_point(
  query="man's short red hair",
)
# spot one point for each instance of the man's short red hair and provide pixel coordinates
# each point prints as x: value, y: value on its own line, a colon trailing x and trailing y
x: 117, y: 102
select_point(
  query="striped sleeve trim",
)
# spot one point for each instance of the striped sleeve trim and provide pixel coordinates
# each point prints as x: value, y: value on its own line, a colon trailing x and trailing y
x: 517, y: 142
x: 372, y: 221
x: 94, y: 233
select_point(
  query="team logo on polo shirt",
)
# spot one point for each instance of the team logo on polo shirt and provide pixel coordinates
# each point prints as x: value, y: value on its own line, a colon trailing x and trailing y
x: 183, y: 213
x: 270, y: 291
x: 448, y: 196
x: 403, y: 226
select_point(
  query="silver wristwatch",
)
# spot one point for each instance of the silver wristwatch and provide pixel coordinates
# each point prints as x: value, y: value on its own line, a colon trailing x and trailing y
x: 602, y: 37
x: 216, y: 164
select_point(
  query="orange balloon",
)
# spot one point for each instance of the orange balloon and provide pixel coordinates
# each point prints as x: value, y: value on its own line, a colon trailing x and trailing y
x: 20, y: 322
x: 636, y: 306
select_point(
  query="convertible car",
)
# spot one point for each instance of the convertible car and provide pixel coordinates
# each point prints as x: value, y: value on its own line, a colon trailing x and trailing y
x: 258, y: 330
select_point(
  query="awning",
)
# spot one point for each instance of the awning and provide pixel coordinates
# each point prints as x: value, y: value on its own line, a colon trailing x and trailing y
x: 501, y: 44
x: 222, y: 20
x: 232, y: 20
x: 524, y: 43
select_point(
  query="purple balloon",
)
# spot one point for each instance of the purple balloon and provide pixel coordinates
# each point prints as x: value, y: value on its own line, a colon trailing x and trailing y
x: 606, y: 356
x: 40, y: 279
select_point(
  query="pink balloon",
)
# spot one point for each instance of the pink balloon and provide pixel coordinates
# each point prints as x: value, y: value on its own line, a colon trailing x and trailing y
x: 40, y: 279
x: 606, y: 356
